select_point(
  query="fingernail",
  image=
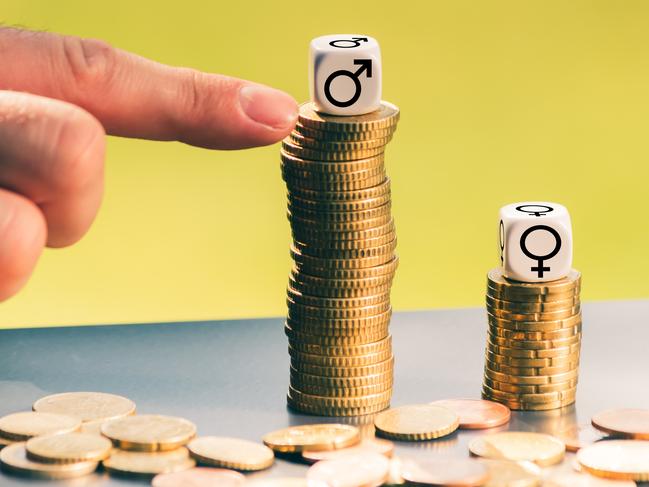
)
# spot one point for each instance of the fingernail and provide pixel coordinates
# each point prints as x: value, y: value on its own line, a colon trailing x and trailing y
x: 268, y: 106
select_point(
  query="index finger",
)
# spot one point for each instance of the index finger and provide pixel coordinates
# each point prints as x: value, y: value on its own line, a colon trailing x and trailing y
x: 136, y: 97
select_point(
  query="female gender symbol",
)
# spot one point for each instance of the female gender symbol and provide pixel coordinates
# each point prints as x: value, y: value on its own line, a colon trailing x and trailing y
x: 539, y: 268
x: 526, y: 209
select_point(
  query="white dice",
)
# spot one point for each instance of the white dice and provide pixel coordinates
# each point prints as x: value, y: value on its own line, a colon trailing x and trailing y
x: 345, y: 74
x: 535, y: 241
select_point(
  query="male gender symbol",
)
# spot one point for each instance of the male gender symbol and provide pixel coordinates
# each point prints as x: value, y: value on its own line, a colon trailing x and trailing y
x: 539, y: 268
x: 365, y: 65
x: 536, y: 212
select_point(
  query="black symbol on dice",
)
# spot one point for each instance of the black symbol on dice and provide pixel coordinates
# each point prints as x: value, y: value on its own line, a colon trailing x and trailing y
x: 348, y: 43
x: 526, y: 209
x: 539, y: 268
x: 501, y: 236
x: 365, y: 65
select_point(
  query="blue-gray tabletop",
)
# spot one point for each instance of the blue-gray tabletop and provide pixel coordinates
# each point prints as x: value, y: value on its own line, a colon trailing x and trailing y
x: 231, y: 377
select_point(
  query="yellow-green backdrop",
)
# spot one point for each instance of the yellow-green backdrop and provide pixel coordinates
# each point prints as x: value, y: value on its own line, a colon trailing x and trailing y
x: 501, y: 101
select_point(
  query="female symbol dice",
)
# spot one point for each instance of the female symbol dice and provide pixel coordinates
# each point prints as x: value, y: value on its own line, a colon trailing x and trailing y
x: 535, y: 241
x: 345, y: 74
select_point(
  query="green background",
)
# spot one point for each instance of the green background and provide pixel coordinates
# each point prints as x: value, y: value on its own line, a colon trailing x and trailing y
x: 501, y: 101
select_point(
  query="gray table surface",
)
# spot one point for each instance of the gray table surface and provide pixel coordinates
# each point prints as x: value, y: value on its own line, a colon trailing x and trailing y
x: 230, y: 377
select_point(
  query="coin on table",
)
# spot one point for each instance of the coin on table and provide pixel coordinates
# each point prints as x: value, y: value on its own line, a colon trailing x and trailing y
x: 314, y: 437
x: 505, y: 473
x: 370, y: 445
x: 539, y: 448
x: 444, y: 472
x: 416, y: 422
x: 14, y: 459
x: 24, y: 425
x: 68, y: 448
x: 87, y: 406
x: 218, y: 451
x: 277, y: 482
x: 617, y: 459
x: 200, y: 477
x: 629, y: 423
x: 477, y: 413
x: 149, y: 432
x: 367, y: 469
x: 580, y: 435
x: 146, y: 464
x: 576, y: 479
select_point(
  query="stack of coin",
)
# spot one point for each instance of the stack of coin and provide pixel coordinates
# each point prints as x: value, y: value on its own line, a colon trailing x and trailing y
x: 344, y: 260
x: 534, y: 338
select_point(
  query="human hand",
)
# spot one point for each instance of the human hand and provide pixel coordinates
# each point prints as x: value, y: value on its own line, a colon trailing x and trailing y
x: 60, y: 95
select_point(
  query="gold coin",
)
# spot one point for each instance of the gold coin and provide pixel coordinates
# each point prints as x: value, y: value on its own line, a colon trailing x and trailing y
x: 380, y: 189
x: 324, y: 237
x: 341, y: 402
x: 512, y: 297
x: 355, y: 182
x: 318, y: 301
x: 149, y: 432
x: 87, y: 406
x: 277, y: 482
x: 339, y: 216
x: 533, y: 336
x: 496, y: 280
x: 535, y: 345
x: 416, y: 422
x: 340, y: 360
x: 200, y: 477
x: 351, y: 274
x: 384, y: 251
x: 308, y: 263
x: 530, y: 371
x: 337, y: 245
x: 477, y: 413
x: 14, y: 459
x: 218, y: 451
x: 24, y: 425
x: 518, y: 307
x: 341, y: 351
x: 628, y: 423
x: 504, y: 473
x: 332, y: 325
x: 362, y: 469
x: 530, y: 389
x: 498, y: 358
x: 323, y: 155
x: 320, y: 410
x: 364, y: 370
x: 539, y: 326
x: 148, y: 464
x: 533, y: 353
x: 576, y: 479
x: 532, y: 398
x: 445, y: 471
x: 579, y: 436
x: 68, y: 448
x: 369, y: 445
x: 522, y: 406
x: 616, y: 459
x: 298, y: 223
x: 340, y: 382
x: 532, y: 379
x: 316, y: 144
x: 296, y: 310
x: 343, y: 392
x: 367, y: 282
x: 364, y: 329
x: 542, y: 449
x: 5, y: 442
x: 293, y: 175
x: 546, y: 316
x: 336, y: 292
x: 327, y: 135
x: 370, y: 336
x: 313, y: 437
x: 385, y: 117
x: 355, y: 205
x: 368, y: 168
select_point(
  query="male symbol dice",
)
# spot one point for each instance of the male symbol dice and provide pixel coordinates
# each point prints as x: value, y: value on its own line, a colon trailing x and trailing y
x: 345, y: 74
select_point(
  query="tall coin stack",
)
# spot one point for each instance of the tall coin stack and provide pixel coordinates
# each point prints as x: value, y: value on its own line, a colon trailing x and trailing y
x: 534, y: 338
x: 344, y: 260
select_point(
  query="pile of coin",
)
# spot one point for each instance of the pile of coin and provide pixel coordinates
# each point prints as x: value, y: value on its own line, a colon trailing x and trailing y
x: 533, y: 342
x: 344, y: 257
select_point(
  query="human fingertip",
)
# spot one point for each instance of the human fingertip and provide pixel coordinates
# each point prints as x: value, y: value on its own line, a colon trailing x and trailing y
x: 269, y: 107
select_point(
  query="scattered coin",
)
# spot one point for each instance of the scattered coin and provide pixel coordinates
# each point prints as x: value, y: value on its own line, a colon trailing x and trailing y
x: 14, y: 459
x: 579, y: 436
x: 367, y: 469
x: 200, y: 477
x: 616, y: 459
x: 628, y: 423
x: 477, y: 413
x: 68, y: 448
x: 24, y: 425
x: 416, y: 422
x: 278, y: 482
x: 539, y: 448
x: 313, y: 437
x: 232, y: 453
x: 87, y: 406
x: 445, y: 472
x: 149, y: 432
x: 576, y: 479
x: 370, y: 445
x: 506, y: 473
x: 146, y: 464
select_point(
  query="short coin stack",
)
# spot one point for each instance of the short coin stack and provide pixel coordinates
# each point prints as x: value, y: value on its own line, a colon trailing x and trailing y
x: 534, y: 338
x: 344, y: 260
